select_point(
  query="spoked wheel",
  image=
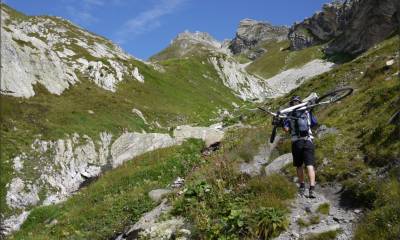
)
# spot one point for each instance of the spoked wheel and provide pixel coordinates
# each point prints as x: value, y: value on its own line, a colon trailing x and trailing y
x: 335, y: 95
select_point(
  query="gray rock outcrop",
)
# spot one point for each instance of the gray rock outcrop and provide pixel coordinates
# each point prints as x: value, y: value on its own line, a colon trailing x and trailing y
x: 320, y: 27
x: 277, y: 164
x: 50, y: 51
x: 67, y: 164
x: 370, y: 23
x: 209, y: 135
x: 157, y: 194
x: 235, y: 77
x: 254, y: 167
x: 251, y: 32
x: 352, y: 26
x: 130, y: 145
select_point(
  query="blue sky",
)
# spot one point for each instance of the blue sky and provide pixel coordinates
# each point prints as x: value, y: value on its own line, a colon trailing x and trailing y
x: 145, y: 27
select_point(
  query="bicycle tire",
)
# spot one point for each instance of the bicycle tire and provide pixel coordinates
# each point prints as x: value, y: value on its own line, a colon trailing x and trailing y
x: 273, y: 134
x: 339, y: 94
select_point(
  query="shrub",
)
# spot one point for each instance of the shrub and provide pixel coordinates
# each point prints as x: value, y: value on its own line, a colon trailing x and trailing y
x: 269, y: 222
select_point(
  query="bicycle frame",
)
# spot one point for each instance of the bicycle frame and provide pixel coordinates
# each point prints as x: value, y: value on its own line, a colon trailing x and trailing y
x: 302, y: 106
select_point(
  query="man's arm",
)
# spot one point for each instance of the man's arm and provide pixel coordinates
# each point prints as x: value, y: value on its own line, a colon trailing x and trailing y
x: 313, y: 120
x: 286, y: 125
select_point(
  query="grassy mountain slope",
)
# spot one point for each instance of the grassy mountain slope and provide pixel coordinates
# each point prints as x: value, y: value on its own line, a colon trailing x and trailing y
x: 188, y: 91
x: 179, y: 96
x: 278, y: 58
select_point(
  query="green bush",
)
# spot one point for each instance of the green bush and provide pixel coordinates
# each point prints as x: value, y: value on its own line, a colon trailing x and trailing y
x: 269, y: 222
x: 383, y: 222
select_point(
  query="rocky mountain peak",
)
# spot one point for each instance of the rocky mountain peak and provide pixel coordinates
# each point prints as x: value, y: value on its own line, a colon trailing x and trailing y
x: 251, y: 32
x: 197, y: 37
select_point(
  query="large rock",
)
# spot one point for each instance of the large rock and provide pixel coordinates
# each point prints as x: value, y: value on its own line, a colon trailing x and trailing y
x: 277, y: 164
x: 157, y: 194
x: 209, y: 135
x: 352, y: 26
x: 130, y: 145
x: 251, y: 32
x: 254, y: 167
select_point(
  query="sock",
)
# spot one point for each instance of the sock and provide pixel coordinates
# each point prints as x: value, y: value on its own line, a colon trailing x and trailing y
x: 312, y: 187
x: 302, y: 185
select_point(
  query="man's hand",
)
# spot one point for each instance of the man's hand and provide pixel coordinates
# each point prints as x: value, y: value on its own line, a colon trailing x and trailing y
x: 286, y: 129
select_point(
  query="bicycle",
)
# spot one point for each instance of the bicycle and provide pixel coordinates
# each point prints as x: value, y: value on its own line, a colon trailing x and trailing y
x: 309, y: 103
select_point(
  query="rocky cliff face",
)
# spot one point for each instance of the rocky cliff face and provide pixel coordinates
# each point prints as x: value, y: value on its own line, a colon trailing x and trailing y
x: 251, y: 32
x: 352, y: 25
x: 66, y: 164
x: 52, y: 51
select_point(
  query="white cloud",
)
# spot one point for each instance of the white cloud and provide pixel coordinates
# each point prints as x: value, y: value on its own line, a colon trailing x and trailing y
x: 147, y: 20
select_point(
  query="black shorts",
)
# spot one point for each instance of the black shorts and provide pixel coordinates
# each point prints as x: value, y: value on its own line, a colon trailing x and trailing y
x: 303, y: 153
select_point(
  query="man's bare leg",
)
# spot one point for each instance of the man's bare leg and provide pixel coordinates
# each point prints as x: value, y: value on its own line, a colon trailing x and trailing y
x: 311, y: 177
x: 311, y: 174
x: 300, y: 175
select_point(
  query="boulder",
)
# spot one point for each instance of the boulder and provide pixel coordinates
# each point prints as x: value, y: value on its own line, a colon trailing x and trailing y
x: 157, y: 194
x: 130, y: 145
x: 278, y: 163
x: 210, y: 135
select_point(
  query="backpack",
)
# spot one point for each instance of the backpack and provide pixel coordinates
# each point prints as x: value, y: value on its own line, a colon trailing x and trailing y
x: 301, y: 124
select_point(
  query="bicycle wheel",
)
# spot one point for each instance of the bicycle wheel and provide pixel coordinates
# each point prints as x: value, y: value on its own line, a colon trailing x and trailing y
x: 335, y: 95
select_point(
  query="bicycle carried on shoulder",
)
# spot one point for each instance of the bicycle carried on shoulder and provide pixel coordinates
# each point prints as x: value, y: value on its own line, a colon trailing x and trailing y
x: 309, y: 103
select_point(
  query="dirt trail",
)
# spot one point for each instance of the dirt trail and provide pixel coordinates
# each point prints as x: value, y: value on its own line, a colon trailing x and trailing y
x: 303, y: 209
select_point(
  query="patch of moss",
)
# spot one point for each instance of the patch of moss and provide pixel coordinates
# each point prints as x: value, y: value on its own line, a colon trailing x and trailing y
x: 324, y: 208
x: 23, y: 43
x: 330, y: 235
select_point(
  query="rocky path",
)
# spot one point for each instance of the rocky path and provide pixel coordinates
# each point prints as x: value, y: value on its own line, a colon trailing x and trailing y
x: 308, y: 216
x: 319, y: 215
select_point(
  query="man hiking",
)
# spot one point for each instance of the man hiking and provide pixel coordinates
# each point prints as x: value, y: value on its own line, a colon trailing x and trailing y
x: 299, y: 125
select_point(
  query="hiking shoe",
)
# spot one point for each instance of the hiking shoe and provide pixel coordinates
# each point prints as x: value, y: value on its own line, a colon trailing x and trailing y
x: 302, y: 190
x: 311, y: 193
